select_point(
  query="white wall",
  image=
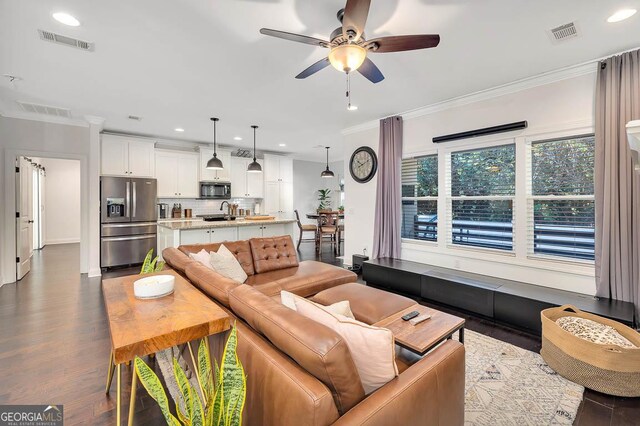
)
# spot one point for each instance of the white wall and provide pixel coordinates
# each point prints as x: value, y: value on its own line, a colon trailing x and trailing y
x: 37, y: 139
x: 552, y: 107
x: 62, y: 201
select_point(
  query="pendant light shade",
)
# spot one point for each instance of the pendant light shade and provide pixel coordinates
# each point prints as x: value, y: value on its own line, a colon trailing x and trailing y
x: 327, y: 173
x: 214, y: 163
x: 254, y: 166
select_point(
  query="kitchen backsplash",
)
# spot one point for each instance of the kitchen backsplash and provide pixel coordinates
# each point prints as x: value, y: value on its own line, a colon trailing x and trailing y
x: 200, y: 207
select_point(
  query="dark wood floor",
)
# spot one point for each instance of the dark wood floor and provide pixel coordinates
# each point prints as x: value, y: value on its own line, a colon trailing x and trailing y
x: 54, y: 346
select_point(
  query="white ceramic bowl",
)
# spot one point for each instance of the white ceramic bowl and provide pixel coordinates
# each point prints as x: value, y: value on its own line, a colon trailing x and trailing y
x: 153, y: 286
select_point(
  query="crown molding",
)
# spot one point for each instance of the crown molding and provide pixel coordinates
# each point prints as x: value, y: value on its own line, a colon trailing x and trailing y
x: 44, y: 118
x: 95, y: 121
x: 505, y: 89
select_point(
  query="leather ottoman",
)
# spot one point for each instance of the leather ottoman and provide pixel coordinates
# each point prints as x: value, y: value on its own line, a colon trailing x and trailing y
x: 368, y: 304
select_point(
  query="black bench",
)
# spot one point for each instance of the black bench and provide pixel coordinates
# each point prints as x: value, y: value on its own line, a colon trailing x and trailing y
x: 505, y: 301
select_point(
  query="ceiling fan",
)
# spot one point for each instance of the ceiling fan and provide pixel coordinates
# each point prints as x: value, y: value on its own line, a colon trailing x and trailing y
x: 349, y: 47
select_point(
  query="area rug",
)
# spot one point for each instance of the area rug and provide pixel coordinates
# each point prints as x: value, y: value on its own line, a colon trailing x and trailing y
x: 507, y: 385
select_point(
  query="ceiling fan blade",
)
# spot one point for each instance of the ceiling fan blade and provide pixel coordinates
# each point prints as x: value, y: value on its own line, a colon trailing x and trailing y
x: 355, y: 18
x: 401, y: 43
x: 371, y: 71
x: 320, y: 65
x: 295, y: 37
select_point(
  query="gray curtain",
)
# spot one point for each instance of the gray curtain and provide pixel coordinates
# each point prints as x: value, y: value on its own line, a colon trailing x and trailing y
x: 386, y: 234
x: 617, y: 184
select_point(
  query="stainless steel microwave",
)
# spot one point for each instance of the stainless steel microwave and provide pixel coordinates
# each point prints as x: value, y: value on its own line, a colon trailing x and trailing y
x: 215, y: 190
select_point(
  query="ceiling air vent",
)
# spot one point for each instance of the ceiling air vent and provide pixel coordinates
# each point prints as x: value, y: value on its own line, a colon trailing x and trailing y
x: 66, y: 41
x: 45, y: 109
x: 564, y: 32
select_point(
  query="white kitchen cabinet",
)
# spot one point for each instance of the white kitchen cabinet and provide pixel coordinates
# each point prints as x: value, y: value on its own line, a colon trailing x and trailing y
x: 247, y: 232
x: 209, y: 235
x: 127, y: 156
x: 278, y: 169
x: 244, y: 184
x: 278, y: 198
x: 177, y: 174
x: 223, y: 175
x: 257, y: 231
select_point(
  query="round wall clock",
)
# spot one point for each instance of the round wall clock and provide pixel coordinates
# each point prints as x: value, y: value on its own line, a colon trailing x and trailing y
x: 363, y: 164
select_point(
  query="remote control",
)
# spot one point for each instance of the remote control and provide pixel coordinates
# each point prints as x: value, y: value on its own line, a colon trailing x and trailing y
x: 410, y: 315
x: 420, y: 319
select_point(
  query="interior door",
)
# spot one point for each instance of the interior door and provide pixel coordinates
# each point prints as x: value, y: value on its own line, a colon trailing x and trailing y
x: 24, y: 219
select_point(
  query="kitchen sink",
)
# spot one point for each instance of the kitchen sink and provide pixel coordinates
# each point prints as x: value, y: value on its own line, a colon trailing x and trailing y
x: 218, y: 218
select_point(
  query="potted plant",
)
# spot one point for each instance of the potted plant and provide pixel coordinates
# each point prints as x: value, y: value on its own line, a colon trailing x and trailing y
x: 149, y: 265
x: 219, y: 401
x: 324, y: 197
x: 341, y: 209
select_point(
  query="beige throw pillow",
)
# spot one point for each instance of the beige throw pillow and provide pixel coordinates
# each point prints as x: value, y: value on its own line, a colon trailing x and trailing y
x: 203, y: 257
x: 342, y: 308
x: 226, y: 264
x: 372, y: 348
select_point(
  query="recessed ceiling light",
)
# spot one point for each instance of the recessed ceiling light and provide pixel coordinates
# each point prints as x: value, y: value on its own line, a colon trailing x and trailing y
x: 282, y: 144
x: 621, y: 15
x: 179, y: 129
x: 65, y: 18
x: 352, y: 107
x: 237, y: 138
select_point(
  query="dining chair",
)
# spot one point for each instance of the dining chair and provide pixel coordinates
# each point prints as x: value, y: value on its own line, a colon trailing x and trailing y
x: 306, y: 228
x: 328, y: 226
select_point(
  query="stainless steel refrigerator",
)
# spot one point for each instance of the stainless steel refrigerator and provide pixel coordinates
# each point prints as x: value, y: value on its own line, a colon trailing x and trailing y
x: 128, y: 217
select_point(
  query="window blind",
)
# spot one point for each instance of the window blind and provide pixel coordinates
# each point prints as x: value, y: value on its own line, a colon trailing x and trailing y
x: 480, y: 206
x: 419, y: 198
x: 561, y: 206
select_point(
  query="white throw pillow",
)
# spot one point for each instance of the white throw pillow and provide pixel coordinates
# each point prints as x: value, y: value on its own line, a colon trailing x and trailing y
x: 372, y: 348
x: 226, y: 264
x: 203, y: 257
x: 342, y: 308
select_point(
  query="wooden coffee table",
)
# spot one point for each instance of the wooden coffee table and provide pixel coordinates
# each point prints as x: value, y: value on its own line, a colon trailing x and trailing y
x: 425, y: 336
x: 144, y: 327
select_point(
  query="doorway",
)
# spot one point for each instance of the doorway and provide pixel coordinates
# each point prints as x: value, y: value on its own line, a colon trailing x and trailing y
x: 49, y: 212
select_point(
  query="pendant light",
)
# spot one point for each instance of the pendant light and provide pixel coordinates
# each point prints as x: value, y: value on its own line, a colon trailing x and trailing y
x: 254, y: 167
x: 327, y: 173
x: 214, y: 163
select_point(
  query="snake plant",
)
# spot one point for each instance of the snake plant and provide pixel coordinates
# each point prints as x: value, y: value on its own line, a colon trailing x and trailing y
x: 220, y: 399
x: 149, y: 265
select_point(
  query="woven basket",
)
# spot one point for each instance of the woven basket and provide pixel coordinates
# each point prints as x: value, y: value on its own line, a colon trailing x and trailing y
x: 609, y: 369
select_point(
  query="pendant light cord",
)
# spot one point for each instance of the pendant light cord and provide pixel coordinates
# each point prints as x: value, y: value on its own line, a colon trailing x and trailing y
x: 215, y: 120
x: 254, y: 142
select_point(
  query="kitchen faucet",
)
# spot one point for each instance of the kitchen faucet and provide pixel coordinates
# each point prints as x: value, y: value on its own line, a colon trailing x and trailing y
x: 228, y: 208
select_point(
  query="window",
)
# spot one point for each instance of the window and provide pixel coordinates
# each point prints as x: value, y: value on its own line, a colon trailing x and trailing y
x: 420, y: 198
x: 561, y: 198
x: 482, y: 184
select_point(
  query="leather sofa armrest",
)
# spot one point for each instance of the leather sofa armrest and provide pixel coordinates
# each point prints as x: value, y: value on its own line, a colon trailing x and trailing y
x: 430, y: 392
x: 269, y: 289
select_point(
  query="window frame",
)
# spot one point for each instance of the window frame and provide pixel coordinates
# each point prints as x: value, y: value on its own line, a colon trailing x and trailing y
x: 449, y: 151
x: 530, y: 198
x: 430, y: 153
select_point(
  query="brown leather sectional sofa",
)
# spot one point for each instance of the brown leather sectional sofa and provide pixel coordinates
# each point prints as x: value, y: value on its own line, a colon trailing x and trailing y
x: 300, y: 372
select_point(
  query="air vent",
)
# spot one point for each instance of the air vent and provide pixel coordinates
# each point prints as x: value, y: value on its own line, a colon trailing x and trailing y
x: 45, y: 109
x: 564, y: 32
x: 135, y: 118
x: 66, y: 41
x: 244, y: 153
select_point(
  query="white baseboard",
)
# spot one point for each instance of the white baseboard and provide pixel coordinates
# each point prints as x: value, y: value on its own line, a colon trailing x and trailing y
x: 62, y: 241
x: 94, y: 272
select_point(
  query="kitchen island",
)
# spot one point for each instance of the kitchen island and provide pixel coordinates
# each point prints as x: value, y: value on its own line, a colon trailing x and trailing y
x: 197, y: 231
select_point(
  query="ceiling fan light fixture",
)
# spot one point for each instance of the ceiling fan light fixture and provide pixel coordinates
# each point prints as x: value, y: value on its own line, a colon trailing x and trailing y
x: 347, y: 57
